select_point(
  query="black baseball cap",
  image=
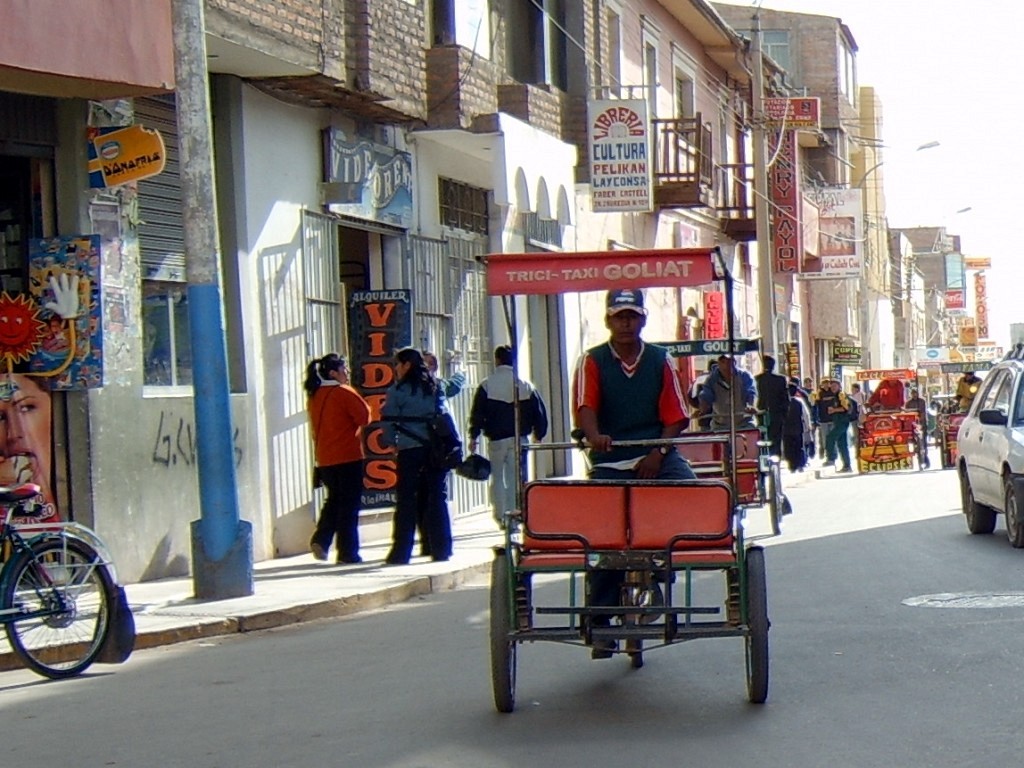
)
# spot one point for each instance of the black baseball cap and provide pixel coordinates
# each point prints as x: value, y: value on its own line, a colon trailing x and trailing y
x: 623, y: 299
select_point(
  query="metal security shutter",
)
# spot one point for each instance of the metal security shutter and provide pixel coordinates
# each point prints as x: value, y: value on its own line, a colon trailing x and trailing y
x: 161, y: 229
x: 450, y: 315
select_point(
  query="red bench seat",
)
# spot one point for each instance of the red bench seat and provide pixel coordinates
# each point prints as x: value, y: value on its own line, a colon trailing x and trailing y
x: 565, y: 520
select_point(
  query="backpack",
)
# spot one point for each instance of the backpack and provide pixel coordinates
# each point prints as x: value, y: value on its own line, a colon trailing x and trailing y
x: 445, y: 446
x: 854, y: 408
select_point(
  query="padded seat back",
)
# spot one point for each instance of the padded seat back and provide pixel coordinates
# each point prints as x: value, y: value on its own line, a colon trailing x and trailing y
x: 699, y: 512
x: 574, y: 515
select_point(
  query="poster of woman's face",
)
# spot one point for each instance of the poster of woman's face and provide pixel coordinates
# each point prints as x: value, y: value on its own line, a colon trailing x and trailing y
x: 837, y: 236
x: 25, y: 437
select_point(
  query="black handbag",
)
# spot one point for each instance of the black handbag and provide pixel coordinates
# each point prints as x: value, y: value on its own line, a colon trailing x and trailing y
x: 474, y: 467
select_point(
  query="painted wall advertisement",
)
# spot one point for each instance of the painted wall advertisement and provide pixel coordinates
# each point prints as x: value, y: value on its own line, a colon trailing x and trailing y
x: 50, y: 338
x: 620, y: 155
x: 64, y: 281
x: 840, y: 235
x: 379, y: 322
x: 366, y: 179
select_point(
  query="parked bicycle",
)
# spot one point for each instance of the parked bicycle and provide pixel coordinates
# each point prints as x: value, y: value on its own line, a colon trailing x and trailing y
x: 59, y: 600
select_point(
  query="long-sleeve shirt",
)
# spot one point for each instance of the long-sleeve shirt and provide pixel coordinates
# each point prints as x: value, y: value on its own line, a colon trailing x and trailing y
x: 724, y: 396
x: 411, y: 409
x: 493, y: 410
x: 337, y: 414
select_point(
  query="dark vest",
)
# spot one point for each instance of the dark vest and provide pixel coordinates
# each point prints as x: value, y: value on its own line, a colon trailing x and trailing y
x: 629, y: 404
x: 831, y: 400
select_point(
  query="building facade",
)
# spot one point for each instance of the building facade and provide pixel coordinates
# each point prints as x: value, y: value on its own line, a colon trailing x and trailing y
x: 368, y: 154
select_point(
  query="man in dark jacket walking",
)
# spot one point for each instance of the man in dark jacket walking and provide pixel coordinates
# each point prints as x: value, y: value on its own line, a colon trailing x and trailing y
x: 493, y: 414
x: 773, y: 400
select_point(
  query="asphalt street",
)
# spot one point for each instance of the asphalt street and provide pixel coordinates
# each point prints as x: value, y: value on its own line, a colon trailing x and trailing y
x: 894, y: 643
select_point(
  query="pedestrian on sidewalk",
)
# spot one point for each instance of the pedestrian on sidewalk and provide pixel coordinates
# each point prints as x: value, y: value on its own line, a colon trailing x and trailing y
x: 842, y: 412
x: 493, y: 415
x: 796, y: 431
x: 822, y: 419
x: 773, y: 400
x: 450, y: 387
x: 337, y: 415
x: 409, y: 404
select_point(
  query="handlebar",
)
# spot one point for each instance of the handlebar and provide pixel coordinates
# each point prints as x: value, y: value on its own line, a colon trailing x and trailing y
x: 581, y: 443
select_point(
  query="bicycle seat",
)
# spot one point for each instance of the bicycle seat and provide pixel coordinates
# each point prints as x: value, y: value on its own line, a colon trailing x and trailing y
x: 15, y: 493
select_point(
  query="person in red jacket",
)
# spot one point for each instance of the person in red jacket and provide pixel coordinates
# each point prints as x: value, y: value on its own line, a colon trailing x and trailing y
x: 337, y: 415
x: 888, y: 396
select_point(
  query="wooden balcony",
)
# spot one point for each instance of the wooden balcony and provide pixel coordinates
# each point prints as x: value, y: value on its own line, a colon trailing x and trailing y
x: 735, y: 201
x: 683, y: 165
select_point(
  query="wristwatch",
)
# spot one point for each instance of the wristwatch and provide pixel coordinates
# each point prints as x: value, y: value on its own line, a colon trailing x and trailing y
x: 663, y: 450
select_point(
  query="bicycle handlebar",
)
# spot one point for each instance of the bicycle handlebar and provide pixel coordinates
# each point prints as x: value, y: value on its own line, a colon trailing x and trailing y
x: 652, y: 443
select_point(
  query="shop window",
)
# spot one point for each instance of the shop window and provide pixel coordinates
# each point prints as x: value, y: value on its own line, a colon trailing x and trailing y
x: 463, y: 206
x: 167, y: 351
x: 165, y: 340
x: 539, y: 53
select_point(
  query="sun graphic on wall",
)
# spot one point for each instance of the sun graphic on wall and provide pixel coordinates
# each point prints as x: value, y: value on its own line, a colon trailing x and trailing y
x: 20, y: 327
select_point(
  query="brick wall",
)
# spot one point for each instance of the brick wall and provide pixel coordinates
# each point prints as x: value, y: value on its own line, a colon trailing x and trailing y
x: 386, y: 41
x: 303, y: 32
x: 460, y: 87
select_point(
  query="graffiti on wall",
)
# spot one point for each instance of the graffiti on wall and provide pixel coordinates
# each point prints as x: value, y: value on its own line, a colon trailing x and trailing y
x: 175, y: 442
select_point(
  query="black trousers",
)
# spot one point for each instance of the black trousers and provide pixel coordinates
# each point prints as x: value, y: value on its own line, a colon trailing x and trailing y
x: 418, y: 485
x: 339, y: 517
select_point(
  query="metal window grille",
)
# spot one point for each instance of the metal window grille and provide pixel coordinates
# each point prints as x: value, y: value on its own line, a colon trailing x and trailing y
x: 450, y: 319
x: 462, y: 206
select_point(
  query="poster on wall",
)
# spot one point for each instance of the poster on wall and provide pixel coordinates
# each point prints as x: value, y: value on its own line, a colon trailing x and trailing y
x: 840, y: 235
x: 118, y: 155
x: 620, y: 162
x: 65, y: 271
x: 379, y: 323
x: 365, y: 179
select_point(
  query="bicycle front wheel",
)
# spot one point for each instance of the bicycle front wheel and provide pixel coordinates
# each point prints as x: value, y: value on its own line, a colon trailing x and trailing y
x: 57, y: 600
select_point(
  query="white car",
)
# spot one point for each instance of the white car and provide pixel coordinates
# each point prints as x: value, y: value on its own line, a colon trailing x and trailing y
x: 990, y: 444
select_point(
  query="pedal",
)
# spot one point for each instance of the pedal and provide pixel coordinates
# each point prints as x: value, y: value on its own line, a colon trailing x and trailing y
x: 732, y: 600
x: 524, y: 619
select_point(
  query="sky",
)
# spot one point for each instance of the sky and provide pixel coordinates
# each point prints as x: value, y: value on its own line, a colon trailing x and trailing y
x: 945, y: 71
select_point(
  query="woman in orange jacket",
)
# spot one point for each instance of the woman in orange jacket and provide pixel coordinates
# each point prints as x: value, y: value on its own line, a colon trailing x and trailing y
x: 337, y: 415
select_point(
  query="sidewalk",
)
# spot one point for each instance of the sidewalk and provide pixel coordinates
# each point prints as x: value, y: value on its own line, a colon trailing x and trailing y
x: 295, y: 589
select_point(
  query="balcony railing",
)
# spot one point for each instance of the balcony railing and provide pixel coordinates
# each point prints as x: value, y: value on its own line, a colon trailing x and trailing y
x: 734, y: 200
x: 683, y: 164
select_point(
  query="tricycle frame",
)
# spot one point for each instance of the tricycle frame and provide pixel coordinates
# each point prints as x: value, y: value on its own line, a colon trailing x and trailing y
x: 656, y: 532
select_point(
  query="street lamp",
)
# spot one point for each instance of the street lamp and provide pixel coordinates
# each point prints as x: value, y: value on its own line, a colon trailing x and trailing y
x: 880, y: 163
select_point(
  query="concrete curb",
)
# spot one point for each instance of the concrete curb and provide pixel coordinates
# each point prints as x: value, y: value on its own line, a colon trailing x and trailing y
x: 198, y: 627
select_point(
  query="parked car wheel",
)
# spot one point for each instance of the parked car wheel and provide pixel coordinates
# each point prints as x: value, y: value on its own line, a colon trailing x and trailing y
x: 980, y: 519
x: 1013, y: 509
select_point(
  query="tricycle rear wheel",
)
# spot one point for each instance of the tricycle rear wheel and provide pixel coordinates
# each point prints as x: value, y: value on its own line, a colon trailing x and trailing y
x: 503, y: 647
x: 757, y: 627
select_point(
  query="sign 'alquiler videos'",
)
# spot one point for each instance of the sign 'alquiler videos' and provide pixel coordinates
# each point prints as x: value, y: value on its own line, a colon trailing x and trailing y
x: 379, y: 323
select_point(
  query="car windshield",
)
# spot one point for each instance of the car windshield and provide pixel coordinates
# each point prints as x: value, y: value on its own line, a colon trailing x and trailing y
x: 1018, y: 406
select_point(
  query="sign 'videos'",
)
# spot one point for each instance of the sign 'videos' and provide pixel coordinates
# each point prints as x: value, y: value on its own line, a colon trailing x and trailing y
x: 380, y: 322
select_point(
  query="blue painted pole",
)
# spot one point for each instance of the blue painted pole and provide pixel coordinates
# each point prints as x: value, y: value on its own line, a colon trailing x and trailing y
x: 221, y: 542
